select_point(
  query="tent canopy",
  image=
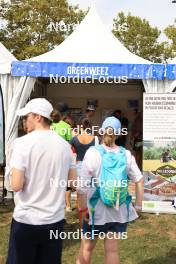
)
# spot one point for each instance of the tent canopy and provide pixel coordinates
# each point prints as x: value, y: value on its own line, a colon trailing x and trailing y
x: 6, y: 59
x: 91, y: 50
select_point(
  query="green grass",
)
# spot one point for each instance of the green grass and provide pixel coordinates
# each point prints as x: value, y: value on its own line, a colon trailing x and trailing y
x: 151, y: 240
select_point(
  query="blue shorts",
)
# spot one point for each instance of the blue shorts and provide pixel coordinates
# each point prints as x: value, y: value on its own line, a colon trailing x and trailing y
x: 114, y: 227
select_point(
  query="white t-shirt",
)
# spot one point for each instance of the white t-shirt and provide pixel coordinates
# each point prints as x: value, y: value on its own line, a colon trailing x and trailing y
x: 91, y: 168
x: 46, y: 159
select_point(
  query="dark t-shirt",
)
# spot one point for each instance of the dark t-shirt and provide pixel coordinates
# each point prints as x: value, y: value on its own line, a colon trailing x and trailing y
x: 124, y: 122
x: 81, y: 148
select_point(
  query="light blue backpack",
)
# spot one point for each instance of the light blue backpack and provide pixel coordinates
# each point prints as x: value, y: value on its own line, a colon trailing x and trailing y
x: 113, y: 181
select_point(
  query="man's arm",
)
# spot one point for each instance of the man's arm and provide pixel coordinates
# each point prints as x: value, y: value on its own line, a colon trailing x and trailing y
x: 17, y: 180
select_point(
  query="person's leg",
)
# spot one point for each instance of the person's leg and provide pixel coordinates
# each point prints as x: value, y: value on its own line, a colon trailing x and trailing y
x: 85, y: 252
x: 50, y: 250
x: 80, y: 206
x: 68, y: 201
x: 22, y: 244
x: 111, y: 249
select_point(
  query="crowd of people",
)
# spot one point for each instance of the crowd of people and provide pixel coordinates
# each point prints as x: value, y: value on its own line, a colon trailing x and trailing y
x: 53, y: 152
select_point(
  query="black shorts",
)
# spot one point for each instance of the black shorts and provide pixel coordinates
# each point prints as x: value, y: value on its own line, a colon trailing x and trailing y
x: 114, y: 227
x: 68, y: 189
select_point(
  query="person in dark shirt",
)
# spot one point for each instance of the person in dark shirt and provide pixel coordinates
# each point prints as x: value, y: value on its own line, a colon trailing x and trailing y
x: 121, y: 140
x: 89, y: 114
x: 90, y: 111
x: 80, y: 144
x: 136, y: 136
x: 62, y: 125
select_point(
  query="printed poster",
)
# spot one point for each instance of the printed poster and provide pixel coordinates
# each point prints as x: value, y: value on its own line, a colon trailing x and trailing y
x: 159, y: 146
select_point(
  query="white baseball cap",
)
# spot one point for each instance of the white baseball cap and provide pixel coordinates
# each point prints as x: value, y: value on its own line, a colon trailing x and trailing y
x: 112, y: 122
x: 38, y: 106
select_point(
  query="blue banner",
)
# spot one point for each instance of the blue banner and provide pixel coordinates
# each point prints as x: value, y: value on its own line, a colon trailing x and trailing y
x: 88, y: 70
x: 171, y: 71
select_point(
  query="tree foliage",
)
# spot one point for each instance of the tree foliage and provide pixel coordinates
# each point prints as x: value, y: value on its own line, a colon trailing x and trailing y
x: 170, y: 32
x: 140, y: 38
x: 155, y: 153
x: 30, y: 27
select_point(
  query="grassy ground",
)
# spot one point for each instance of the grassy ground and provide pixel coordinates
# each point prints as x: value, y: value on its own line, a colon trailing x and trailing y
x: 152, y: 165
x: 151, y: 240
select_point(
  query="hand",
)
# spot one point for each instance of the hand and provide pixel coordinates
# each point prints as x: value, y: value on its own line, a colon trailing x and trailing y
x: 138, y: 208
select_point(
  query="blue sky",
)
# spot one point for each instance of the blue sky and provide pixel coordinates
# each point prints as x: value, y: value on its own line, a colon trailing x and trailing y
x: 159, y: 13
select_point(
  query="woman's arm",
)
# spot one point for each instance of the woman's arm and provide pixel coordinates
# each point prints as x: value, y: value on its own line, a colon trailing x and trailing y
x: 139, y: 194
x: 86, y: 173
x: 136, y: 176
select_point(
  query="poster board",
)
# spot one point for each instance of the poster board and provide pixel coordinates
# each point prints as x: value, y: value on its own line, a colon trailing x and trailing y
x: 159, y: 146
x: 158, y: 207
x: 2, y: 131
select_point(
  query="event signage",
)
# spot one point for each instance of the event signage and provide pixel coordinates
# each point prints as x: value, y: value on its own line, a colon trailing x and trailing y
x: 158, y: 207
x: 159, y: 146
x: 2, y: 142
x: 96, y: 70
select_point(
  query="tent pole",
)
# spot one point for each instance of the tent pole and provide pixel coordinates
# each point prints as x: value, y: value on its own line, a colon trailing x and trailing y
x: 3, y: 165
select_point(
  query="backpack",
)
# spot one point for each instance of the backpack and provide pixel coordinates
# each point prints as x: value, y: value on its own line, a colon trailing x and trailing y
x: 113, y: 181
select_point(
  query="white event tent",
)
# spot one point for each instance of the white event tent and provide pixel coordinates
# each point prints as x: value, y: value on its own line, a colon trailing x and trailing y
x: 168, y: 84
x: 15, y: 91
x: 6, y: 59
x: 171, y: 74
x: 90, y: 51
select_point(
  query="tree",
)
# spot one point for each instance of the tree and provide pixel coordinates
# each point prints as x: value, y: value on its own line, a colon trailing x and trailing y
x: 170, y: 32
x: 139, y: 37
x: 33, y: 27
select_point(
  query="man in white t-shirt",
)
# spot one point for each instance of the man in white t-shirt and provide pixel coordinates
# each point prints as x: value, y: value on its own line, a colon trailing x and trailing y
x: 41, y: 167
